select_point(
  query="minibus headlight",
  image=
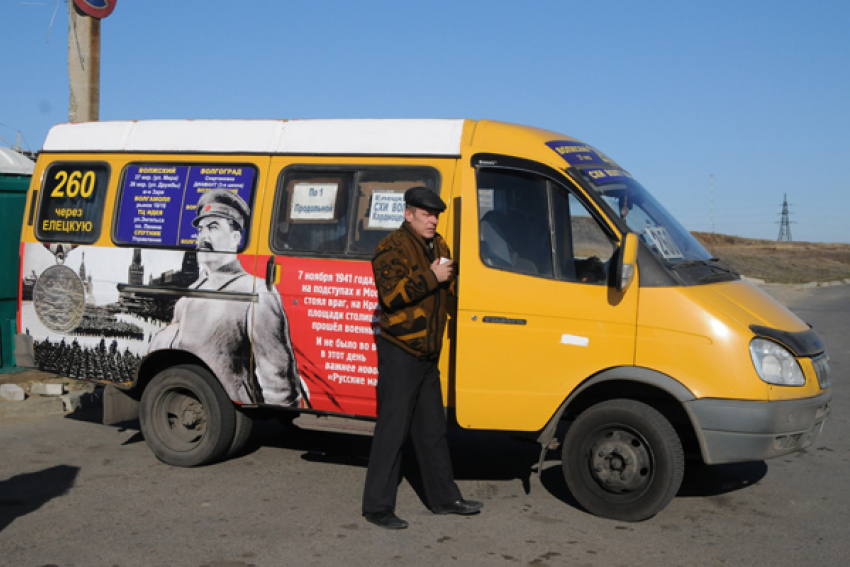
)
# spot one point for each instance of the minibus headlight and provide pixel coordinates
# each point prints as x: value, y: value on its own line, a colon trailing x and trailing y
x: 775, y: 364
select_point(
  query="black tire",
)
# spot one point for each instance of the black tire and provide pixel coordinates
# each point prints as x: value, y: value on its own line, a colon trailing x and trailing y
x: 242, y: 431
x: 186, y: 417
x: 622, y: 460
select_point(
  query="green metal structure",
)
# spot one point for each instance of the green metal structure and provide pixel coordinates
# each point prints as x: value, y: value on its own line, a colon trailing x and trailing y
x: 14, y: 184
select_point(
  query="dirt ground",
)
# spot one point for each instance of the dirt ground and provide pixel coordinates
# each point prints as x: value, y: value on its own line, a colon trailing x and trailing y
x: 780, y: 262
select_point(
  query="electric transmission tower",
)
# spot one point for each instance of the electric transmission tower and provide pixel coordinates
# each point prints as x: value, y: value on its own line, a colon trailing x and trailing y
x: 785, y: 222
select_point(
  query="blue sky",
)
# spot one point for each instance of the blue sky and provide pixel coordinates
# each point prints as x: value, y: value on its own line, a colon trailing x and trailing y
x: 754, y: 92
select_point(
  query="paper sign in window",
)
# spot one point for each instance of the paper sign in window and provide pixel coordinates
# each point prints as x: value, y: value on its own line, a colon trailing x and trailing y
x: 387, y: 211
x: 659, y: 237
x: 485, y: 201
x: 313, y: 201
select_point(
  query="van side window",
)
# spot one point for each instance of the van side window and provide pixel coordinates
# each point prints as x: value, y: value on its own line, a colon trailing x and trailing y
x: 380, y: 203
x: 313, y: 212
x: 584, y: 249
x: 514, y: 229
x: 72, y: 198
x: 513, y: 213
x: 344, y: 211
x: 163, y: 204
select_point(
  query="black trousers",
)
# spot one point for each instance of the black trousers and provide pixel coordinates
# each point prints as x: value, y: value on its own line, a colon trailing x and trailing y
x: 410, y: 402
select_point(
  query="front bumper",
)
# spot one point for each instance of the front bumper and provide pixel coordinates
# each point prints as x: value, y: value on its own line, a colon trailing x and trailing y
x: 731, y: 431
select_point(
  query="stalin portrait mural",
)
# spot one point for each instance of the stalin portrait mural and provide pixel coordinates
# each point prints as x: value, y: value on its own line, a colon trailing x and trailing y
x: 220, y: 331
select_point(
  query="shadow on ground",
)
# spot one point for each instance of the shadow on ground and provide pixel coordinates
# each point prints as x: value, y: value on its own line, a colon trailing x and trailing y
x: 25, y: 493
x: 91, y: 408
x: 476, y: 456
x: 712, y: 480
x: 496, y: 456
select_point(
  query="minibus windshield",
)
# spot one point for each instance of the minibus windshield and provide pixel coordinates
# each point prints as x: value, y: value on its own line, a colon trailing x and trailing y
x: 645, y: 216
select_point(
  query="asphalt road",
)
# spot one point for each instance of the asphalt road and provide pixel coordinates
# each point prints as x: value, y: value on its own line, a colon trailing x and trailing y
x: 74, y: 492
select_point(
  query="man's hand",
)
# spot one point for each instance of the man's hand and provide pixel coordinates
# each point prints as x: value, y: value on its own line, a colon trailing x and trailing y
x: 445, y: 270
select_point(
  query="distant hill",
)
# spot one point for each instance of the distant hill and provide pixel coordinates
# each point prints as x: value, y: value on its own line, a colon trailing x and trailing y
x: 780, y: 262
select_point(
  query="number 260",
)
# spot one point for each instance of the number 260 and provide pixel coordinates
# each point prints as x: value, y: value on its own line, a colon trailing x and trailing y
x: 77, y: 183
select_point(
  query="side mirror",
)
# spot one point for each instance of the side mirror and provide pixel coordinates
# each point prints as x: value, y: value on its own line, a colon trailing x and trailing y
x: 627, y: 264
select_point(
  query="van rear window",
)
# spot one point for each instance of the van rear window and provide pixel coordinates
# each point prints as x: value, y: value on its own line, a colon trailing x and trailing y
x: 159, y: 203
x: 71, y: 208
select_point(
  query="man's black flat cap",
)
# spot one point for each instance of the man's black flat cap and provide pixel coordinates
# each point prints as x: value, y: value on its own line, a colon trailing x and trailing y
x: 424, y: 198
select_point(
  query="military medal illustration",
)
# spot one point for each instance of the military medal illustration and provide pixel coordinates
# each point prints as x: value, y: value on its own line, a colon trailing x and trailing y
x: 59, y: 297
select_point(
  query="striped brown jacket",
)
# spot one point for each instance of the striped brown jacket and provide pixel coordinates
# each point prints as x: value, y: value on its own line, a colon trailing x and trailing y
x: 413, y: 302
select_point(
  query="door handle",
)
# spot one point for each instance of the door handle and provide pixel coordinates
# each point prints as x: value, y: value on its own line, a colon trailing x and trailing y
x: 504, y: 321
x: 271, y: 273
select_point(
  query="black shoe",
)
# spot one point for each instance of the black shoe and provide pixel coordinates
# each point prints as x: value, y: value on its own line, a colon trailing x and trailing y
x: 462, y: 507
x: 386, y: 519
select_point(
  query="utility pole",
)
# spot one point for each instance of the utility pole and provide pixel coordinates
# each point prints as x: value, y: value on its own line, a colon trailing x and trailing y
x: 712, y: 203
x: 785, y: 222
x: 83, y: 65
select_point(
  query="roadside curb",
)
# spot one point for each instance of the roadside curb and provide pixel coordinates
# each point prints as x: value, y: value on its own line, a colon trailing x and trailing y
x: 32, y: 407
x: 845, y: 281
x: 807, y: 285
x: 36, y: 405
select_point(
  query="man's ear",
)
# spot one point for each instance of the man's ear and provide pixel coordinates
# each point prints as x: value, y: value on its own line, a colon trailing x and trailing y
x: 408, y: 214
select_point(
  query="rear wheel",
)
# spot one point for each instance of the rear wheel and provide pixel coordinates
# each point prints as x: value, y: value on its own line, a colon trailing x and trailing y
x: 622, y: 460
x: 186, y: 417
x: 244, y: 425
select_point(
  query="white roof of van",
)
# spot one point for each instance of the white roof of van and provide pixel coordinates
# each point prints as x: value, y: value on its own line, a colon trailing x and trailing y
x: 379, y: 137
x: 13, y: 163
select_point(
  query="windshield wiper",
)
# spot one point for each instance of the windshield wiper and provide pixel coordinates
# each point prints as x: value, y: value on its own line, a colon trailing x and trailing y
x: 694, y: 263
x: 718, y: 272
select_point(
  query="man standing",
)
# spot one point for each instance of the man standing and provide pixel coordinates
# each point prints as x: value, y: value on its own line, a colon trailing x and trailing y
x: 219, y: 331
x: 414, y: 275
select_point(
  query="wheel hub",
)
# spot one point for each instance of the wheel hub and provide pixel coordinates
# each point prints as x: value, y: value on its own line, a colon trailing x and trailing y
x: 186, y: 418
x: 192, y: 415
x: 620, y: 462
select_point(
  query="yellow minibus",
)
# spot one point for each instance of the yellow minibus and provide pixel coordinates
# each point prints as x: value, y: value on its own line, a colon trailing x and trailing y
x: 212, y: 272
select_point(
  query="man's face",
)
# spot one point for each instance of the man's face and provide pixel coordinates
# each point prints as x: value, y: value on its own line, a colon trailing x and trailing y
x: 216, y: 235
x: 422, y: 221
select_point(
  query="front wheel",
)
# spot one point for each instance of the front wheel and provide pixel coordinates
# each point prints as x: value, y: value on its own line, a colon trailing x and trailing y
x: 186, y: 417
x: 622, y: 460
